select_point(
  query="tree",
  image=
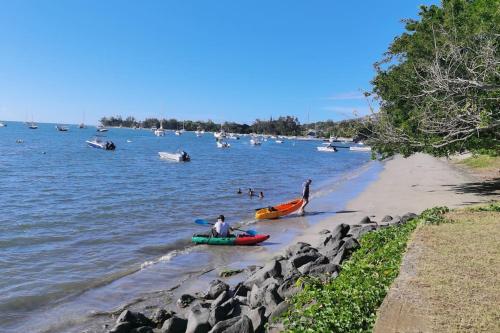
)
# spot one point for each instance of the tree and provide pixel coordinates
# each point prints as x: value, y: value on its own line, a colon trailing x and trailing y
x: 439, y: 83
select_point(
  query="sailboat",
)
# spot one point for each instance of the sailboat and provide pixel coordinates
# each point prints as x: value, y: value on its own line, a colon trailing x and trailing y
x: 180, y: 132
x: 160, y: 131
x: 32, y: 125
x: 82, y: 124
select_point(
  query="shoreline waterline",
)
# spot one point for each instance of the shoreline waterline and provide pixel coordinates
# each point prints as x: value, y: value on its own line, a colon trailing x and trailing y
x: 147, y: 286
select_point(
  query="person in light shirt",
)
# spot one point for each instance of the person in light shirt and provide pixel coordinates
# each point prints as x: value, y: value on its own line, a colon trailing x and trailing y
x: 221, y: 228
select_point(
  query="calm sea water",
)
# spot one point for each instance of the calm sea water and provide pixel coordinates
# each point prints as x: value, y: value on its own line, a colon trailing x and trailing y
x: 74, y: 219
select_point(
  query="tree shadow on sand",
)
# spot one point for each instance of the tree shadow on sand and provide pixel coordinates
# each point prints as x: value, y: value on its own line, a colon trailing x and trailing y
x: 488, y: 187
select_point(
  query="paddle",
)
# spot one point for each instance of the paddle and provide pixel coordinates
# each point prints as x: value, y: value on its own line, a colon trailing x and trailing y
x: 204, y: 222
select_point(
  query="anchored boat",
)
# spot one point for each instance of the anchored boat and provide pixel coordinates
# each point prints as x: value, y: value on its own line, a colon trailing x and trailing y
x: 181, y: 156
x: 97, y: 142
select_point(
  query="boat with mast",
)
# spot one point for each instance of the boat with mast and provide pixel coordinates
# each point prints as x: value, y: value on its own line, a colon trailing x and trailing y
x: 160, y: 131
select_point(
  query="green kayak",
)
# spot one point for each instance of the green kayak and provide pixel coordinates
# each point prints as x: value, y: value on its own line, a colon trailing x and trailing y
x: 238, y: 240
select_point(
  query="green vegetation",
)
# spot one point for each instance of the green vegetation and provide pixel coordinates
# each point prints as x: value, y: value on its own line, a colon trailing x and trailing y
x: 438, y: 84
x: 287, y: 125
x: 493, y: 207
x: 482, y: 162
x: 348, y: 303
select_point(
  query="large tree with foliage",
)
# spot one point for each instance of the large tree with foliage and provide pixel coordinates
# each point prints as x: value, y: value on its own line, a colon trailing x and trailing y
x: 438, y: 84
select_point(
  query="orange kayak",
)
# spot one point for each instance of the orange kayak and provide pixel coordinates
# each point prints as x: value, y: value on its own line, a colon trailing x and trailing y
x: 279, y: 210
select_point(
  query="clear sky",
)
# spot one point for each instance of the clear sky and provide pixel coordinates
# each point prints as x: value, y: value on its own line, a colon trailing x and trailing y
x: 221, y: 60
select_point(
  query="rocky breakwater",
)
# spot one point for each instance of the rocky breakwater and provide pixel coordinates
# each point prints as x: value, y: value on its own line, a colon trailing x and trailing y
x: 262, y: 297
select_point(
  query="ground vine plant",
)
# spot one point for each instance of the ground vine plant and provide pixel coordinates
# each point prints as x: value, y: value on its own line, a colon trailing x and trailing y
x: 349, y: 302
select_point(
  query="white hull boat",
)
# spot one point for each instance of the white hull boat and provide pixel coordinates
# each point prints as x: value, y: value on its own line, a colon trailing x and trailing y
x: 177, y: 157
x: 100, y: 144
x: 178, y: 133
x: 160, y: 132
x: 279, y: 141
x: 223, y: 145
x: 2, y: 125
x: 329, y: 149
x: 255, y: 142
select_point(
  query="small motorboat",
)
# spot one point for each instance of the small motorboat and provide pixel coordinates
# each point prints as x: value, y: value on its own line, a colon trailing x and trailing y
x: 279, y: 141
x: 61, y: 128
x: 3, y: 125
x: 255, y: 142
x: 178, y: 132
x: 360, y: 148
x: 102, y: 129
x: 329, y: 149
x: 223, y: 144
x: 181, y: 156
x: 33, y: 126
x: 97, y: 142
x: 279, y: 210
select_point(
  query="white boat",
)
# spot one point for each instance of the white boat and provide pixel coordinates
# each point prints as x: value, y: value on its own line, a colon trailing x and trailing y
x: 223, y: 144
x: 2, y: 124
x: 61, y: 128
x: 279, y: 141
x: 178, y: 132
x: 220, y: 135
x: 255, y: 142
x: 97, y: 142
x: 360, y: 148
x: 181, y: 156
x: 33, y: 126
x: 233, y: 137
x: 101, y: 129
x: 160, y: 131
x: 329, y: 149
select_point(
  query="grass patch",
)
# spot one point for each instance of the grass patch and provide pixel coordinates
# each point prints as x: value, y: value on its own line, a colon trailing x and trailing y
x: 349, y: 302
x: 460, y: 270
x: 482, y: 162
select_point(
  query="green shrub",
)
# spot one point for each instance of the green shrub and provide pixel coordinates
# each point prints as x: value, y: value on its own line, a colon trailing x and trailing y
x: 434, y: 215
x: 493, y: 207
x: 349, y: 302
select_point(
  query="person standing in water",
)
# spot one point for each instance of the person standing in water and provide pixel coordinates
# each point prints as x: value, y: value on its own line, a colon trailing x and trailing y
x: 261, y: 195
x: 305, y: 196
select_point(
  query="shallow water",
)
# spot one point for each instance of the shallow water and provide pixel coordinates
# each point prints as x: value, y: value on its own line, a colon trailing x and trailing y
x: 83, y: 229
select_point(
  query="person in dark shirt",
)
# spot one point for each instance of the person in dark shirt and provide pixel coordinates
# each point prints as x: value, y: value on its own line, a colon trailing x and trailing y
x: 305, y: 196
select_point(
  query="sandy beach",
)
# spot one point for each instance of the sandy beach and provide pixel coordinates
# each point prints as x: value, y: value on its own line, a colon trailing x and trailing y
x: 405, y: 185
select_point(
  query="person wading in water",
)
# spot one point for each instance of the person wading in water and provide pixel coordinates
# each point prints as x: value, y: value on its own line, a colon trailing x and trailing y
x: 305, y: 196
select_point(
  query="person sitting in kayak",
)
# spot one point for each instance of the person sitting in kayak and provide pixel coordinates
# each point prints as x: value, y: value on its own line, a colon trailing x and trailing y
x: 221, y: 228
x: 305, y: 196
x: 239, y: 191
x: 250, y: 192
x: 261, y: 195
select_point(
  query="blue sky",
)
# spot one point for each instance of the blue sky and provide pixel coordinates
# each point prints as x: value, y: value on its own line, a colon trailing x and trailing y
x: 220, y: 60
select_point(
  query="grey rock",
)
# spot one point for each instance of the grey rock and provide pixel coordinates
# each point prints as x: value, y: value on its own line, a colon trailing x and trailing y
x: 174, y: 324
x: 252, y: 268
x: 241, y: 324
x: 288, y: 288
x: 142, y: 329
x: 297, y: 248
x: 323, y: 269
x: 303, y: 259
x: 136, y: 319
x: 122, y: 327
x: 321, y: 260
x: 241, y: 299
x: 349, y: 245
x: 240, y: 290
x: 387, y: 218
x: 216, y: 288
x: 360, y: 230
x: 324, y: 232
x: 396, y: 219
x: 256, y: 296
x: 287, y: 269
x: 197, y: 320
x: 279, y: 310
x: 271, y: 300
x: 365, y: 220
x: 222, y: 311
x: 185, y: 300
x: 160, y: 315
x: 407, y: 217
x: 258, y: 318
x: 271, y: 269
x: 220, y: 299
